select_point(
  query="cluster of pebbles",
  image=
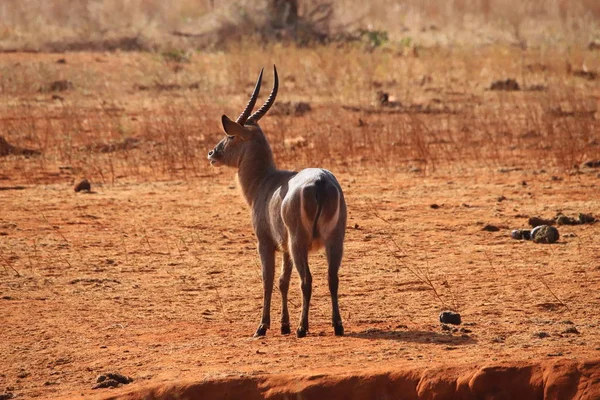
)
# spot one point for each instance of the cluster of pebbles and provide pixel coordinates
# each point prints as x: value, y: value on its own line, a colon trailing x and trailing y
x: 543, y: 230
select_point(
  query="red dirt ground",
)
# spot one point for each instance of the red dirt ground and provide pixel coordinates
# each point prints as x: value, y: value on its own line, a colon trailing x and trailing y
x: 160, y: 281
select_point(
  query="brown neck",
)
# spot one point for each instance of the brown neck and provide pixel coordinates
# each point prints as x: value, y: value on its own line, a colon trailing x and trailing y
x: 254, y: 168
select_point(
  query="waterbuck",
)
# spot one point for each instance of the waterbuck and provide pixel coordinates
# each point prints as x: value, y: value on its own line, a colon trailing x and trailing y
x: 292, y: 212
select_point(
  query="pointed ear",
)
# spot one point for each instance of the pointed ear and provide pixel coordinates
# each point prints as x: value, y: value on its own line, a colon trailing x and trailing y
x: 232, y: 128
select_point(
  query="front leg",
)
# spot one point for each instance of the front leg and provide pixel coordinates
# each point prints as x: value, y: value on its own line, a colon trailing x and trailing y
x: 267, y: 260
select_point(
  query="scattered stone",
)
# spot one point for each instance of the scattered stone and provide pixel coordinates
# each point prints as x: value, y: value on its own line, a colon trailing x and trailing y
x: 508, y: 84
x: 541, y: 335
x: 490, y: 228
x: 544, y: 234
x: 6, y: 396
x: 109, y: 383
x: 465, y: 330
x: 591, y: 164
x: 61, y: 61
x: 111, y: 379
x: 594, y: 45
x: 571, y: 329
x: 521, y: 234
x: 83, y: 186
x: 586, y: 218
x: 7, y: 149
x: 60, y: 86
x: 446, y: 327
x: 537, y: 221
x: 564, y: 220
x: 501, y: 199
x: 449, y: 317
x: 434, y: 206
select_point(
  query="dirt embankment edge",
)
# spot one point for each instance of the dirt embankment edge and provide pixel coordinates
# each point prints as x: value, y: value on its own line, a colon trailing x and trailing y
x: 560, y: 380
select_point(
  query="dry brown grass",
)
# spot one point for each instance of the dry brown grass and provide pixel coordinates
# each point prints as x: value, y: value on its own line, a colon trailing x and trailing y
x: 448, y: 117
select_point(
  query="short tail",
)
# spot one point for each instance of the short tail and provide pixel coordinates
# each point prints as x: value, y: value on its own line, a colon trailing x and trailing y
x: 320, y: 197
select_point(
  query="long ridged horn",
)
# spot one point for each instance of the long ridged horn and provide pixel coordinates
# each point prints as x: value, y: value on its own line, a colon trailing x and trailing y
x: 263, y: 110
x: 244, y: 115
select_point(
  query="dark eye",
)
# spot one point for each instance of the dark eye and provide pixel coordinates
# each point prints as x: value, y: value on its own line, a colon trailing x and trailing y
x: 230, y: 137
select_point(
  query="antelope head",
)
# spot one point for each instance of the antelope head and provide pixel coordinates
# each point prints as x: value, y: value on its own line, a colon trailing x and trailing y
x: 243, y: 137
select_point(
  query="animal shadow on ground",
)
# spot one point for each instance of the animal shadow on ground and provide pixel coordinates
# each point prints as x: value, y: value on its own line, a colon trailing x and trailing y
x: 414, y: 337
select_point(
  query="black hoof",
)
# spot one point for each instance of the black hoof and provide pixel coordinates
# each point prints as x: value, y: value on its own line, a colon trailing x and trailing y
x: 339, y: 330
x: 285, y: 330
x: 301, y: 332
x: 261, y: 331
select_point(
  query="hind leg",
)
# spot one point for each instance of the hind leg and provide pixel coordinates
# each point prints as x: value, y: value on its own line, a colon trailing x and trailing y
x: 267, y: 259
x: 284, y: 285
x: 334, y: 259
x: 299, y: 253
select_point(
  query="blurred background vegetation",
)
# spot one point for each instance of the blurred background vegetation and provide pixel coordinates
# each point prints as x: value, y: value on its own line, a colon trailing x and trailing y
x: 58, y: 25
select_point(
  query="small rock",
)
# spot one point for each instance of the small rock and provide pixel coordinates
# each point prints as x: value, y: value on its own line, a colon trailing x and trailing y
x: 61, y: 86
x: 83, y: 186
x: 544, y: 234
x: 434, y: 206
x: 490, y: 228
x: 537, y: 221
x: 591, y: 164
x: 500, y: 199
x: 114, y: 376
x: 449, y: 317
x: 571, y: 329
x: 61, y: 61
x: 564, y: 220
x: 508, y: 84
x: 109, y: 383
x: 6, y: 396
x: 521, y: 234
x: 586, y: 218
x: 541, y: 335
